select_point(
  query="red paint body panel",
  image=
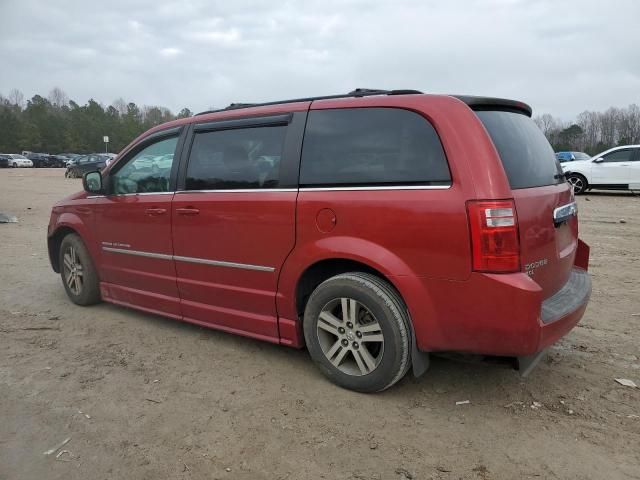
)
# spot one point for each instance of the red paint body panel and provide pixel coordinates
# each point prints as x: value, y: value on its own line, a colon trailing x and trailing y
x: 254, y: 228
x: 132, y: 223
x: 540, y: 239
x: 417, y: 238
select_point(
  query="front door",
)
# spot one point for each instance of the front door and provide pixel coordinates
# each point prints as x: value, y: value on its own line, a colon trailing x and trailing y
x: 614, y: 169
x: 234, y: 225
x: 133, y: 222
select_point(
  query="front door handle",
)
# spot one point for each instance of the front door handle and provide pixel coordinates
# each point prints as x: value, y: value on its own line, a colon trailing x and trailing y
x: 155, y: 211
x: 187, y: 211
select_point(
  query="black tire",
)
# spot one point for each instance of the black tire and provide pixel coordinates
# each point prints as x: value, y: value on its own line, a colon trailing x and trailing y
x: 87, y: 291
x: 15, y: 165
x: 385, y: 307
x: 578, y: 182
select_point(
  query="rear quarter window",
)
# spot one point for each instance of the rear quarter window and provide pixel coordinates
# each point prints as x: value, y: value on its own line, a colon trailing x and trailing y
x: 527, y: 157
x: 371, y: 147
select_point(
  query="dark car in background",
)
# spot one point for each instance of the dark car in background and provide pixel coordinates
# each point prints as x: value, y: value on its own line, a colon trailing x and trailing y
x: 39, y: 160
x: 44, y: 160
x: 86, y: 163
x: 5, y: 161
x: 572, y: 156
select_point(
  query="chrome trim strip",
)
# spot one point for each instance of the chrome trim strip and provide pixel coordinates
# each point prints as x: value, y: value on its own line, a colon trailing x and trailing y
x: 241, y: 190
x: 140, y: 193
x: 137, y: 253
x: 394, y: 187
x: 202, y: 261
x: 219, y: 263
x: 303, y: 189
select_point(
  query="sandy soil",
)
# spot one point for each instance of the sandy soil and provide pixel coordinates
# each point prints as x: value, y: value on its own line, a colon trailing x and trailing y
x: 162, y: 399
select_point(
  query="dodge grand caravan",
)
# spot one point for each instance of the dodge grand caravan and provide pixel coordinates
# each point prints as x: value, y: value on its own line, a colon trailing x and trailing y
x: 373, y: 227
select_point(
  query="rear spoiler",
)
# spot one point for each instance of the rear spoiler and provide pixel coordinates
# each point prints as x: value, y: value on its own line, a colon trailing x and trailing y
x: 490, y: 103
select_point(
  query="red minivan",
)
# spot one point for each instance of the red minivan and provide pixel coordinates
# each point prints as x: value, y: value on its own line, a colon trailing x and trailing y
x: 372, y: 227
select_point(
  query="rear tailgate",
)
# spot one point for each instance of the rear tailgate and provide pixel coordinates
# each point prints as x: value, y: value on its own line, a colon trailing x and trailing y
x: 547, y: 245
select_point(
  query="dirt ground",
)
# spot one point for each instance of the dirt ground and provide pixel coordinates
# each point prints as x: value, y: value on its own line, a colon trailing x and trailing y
x: 143, y: 397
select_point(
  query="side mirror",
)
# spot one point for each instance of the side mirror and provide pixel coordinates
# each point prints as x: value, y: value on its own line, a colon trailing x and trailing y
x: 598, y: 160
x: 92, y: 182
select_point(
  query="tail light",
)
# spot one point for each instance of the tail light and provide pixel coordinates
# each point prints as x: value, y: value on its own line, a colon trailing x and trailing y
x: 495, y: 245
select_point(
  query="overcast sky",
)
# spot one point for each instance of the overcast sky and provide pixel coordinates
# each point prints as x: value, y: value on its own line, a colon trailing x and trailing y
x: 560, y: 56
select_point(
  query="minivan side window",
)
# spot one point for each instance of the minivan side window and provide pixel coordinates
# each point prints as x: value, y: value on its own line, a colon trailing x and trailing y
x: 371, y: 147
x: 148, y: 171
x: 241, y: 158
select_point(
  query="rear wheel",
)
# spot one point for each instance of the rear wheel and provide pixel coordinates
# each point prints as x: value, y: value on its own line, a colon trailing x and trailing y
x: 578, y: 182
x: 357, y: 331
x: 78, y: 273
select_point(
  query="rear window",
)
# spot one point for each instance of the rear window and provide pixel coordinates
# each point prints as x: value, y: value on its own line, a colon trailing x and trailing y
x: 371, y: 147
x: 526, y: 155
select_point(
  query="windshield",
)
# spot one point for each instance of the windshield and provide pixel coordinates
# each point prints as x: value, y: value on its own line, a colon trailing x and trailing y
x: 19, y: 157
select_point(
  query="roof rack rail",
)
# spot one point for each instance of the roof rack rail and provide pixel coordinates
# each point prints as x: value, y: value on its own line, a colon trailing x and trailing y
x: 358, y: 92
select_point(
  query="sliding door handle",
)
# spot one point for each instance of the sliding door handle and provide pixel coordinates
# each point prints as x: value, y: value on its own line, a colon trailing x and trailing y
x: 187, y: 211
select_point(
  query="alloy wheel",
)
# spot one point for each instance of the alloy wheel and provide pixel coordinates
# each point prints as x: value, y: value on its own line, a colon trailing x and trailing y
x: 577, y: 183
x: 350, y: 336
x: 73, y: 271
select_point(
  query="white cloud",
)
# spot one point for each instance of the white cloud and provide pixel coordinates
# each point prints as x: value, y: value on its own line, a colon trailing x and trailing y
x: 170, y: 52
x: 561, y: 57
x: 223, y: 37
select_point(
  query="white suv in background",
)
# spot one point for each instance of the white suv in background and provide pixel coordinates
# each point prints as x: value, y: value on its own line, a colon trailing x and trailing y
x: 614, y: 169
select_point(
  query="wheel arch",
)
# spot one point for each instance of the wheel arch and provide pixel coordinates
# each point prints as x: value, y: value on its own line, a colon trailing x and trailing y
x: 69, y: 223
x: 322, y: 269
x: 53, y: 243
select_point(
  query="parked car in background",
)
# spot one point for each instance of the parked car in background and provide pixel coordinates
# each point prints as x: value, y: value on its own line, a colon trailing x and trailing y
x: 4, y: 160
x: 86, y: 163
x: 614, y: 169
x: 110, y: 157
x: 68, y: 157
x: 56, y: 161
x: 40, y: 160
x: 404, y: 224
x: 572, y: 156
x: 16, y: 161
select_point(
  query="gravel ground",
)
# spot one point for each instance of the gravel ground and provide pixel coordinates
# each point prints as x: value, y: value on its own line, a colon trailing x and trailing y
x: 141, y: 396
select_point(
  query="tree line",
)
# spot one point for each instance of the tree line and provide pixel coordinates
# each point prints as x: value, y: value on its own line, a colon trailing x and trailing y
x: 55, y: 124
x: 593, y: 132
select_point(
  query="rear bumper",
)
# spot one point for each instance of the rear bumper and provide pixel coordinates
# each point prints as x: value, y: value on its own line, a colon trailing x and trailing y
x: 561, y: 312
x: 497, y: 314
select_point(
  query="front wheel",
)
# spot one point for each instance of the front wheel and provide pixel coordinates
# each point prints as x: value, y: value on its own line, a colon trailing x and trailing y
x: 578, y: 182
x: 15, y: 165
x: 79, y: 275
x: 357, y: 331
